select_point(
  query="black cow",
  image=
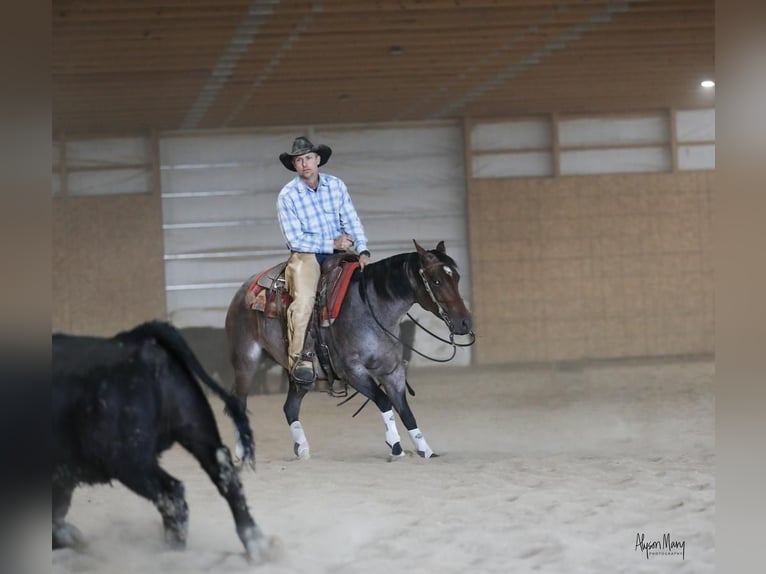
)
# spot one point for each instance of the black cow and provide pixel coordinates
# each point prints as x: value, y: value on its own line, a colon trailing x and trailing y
x: 117, y: 404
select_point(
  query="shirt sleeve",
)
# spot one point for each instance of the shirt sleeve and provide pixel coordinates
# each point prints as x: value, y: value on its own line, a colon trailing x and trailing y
x: 349, y: 220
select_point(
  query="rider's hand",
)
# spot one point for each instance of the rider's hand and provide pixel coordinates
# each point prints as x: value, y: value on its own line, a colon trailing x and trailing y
x: 343, y: 243
x: 364, y: 259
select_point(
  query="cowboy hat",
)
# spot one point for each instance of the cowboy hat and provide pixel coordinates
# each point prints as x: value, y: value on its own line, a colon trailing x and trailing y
x: 301, y: 146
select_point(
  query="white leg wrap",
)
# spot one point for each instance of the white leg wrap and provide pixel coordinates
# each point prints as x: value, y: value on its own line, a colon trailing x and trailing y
x: 300, y: 443
x: 420, y: 443
x: 392, y: 435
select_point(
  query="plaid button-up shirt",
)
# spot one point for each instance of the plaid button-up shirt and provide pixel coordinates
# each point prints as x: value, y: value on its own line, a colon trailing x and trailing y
x: 310, y: 220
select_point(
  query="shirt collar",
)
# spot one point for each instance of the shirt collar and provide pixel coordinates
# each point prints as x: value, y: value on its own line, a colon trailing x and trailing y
x: 303, y: 187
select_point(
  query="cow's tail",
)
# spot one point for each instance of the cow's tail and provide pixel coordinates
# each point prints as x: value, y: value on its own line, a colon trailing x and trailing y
x: 174, y: 343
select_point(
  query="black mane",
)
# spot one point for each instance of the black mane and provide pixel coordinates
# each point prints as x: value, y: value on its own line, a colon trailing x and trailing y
x: 394, y: 278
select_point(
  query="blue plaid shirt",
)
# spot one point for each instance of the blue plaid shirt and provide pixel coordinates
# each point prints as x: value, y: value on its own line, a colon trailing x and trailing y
x: 311, y: 220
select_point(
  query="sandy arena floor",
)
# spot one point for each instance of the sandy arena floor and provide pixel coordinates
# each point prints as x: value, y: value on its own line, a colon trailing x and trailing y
x: 556, y: 470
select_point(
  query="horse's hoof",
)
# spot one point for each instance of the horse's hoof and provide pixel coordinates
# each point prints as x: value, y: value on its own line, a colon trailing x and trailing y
x: 397, y: 452
x: 430, y: 454
x: 301, y: 451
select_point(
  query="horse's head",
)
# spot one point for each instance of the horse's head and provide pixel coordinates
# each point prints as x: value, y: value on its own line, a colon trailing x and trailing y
x: 438, y: 289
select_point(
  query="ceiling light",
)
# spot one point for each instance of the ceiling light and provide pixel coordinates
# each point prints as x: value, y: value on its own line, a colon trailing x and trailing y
x: 707, y: 83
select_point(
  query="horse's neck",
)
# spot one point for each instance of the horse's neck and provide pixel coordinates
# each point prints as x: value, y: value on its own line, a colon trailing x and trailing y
x: 389, y: 285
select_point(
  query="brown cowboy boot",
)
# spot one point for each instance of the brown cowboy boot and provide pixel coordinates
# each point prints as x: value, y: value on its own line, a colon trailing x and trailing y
x: 303, y: 370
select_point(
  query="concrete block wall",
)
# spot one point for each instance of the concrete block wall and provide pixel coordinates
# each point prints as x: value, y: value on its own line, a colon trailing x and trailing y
x: 592, y: 266
x: 107, y: 263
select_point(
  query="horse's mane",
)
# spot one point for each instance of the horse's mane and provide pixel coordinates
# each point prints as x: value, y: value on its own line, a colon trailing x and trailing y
x: 392, y: 277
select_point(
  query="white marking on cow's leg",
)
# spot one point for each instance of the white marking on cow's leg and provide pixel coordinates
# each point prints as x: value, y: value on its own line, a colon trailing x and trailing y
x: 392, y: 435
x: 175, y: 517
x: 239, y: 450
x: 420, y: 443
x: 226, y: 473
x: 300, y: 443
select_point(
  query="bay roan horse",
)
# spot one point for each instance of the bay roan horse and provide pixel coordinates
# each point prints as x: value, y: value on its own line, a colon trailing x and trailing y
x: 363, y: 341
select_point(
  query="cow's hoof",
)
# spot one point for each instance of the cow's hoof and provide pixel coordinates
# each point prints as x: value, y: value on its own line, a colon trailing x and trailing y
x: 266, y: 549
x: 301, y: 451
x: 67, y: 536
x: 175, y: 538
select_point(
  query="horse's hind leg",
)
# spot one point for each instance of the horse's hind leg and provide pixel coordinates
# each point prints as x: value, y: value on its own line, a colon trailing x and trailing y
x: 292, y: 409
x: 370, y: 389
x: 245, y: 359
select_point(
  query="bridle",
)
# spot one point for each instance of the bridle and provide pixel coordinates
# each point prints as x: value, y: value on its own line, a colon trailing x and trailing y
x: 442, y: 314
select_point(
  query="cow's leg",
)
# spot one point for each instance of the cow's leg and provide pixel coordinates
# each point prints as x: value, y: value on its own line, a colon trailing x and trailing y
x: 217, y: 463
x: 167, y: 494
x: 292, y: 409
x: 370, y: 389
x: 395, y: 386
x: 65, y: 535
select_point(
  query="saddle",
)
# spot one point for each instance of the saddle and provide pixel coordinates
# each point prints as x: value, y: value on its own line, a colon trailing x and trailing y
x: 268, y: 294
x: 268, y: 291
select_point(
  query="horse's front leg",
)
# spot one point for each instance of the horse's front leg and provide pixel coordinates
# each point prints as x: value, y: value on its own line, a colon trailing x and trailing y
x: 395, y: 385
x: 370, y: 389
x: 292, y: 409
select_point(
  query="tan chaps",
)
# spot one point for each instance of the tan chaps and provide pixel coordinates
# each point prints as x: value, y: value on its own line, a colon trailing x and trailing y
x: 301, y: 277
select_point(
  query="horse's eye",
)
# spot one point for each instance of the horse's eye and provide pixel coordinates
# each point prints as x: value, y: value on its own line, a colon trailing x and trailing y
x: 437, y: 282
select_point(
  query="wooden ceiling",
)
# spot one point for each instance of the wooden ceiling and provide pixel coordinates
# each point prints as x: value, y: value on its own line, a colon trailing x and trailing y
x: 129, y: 66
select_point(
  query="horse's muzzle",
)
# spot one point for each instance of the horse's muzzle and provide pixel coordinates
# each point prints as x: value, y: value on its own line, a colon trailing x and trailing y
x: 462, y: 326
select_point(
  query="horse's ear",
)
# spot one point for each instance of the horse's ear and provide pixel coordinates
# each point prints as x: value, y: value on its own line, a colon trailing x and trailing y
x: 422, y: 252
x: 440, y: 247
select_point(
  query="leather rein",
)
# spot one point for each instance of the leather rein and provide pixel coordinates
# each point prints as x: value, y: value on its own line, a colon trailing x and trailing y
x: 442, y: 314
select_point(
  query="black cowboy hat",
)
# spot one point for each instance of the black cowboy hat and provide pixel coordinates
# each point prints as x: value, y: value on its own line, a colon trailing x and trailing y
x: 302, y: 145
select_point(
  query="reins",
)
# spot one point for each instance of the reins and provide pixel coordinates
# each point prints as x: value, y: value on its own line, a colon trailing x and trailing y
x: 442, y: 314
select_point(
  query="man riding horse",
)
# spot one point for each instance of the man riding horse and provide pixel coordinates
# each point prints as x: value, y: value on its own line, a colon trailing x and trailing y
x: 317, y: 219
x: 356, y: 335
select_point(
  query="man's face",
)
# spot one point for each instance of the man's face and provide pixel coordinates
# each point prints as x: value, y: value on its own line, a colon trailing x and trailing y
x: 307, y: 165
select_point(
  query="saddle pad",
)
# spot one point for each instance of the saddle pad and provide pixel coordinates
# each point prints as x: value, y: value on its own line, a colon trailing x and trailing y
x: 338, y: 292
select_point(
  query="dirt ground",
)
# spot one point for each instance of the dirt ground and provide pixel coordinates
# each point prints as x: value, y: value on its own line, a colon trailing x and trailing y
x: 542, y: 470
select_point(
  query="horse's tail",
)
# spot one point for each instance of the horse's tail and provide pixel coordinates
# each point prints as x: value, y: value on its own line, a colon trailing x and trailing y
x: 175, y: 344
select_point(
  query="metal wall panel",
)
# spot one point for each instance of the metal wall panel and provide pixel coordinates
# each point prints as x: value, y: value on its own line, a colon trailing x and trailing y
x: 219, y: 207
